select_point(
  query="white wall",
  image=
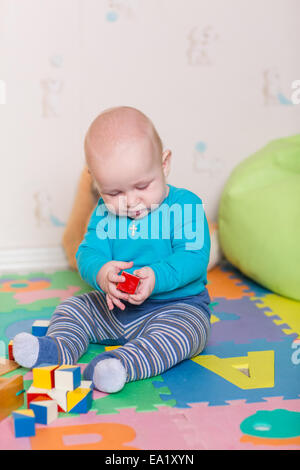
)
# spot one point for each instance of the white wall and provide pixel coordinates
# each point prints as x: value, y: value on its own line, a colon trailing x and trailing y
x: 214, y: 76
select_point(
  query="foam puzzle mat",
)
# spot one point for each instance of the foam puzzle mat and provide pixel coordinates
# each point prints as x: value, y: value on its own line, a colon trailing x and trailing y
x: 242, y: 392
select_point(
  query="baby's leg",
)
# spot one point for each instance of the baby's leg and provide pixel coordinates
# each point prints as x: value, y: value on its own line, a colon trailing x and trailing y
x: 75, y: 323
x: 179, y: 331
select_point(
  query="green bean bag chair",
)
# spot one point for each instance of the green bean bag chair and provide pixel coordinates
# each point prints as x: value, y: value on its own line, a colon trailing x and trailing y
x: 259, y: 217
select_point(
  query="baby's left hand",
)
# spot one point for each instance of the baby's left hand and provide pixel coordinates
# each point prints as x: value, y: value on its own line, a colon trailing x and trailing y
x: 145, y: 287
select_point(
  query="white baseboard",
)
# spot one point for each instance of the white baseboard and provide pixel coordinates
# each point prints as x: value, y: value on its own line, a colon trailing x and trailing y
x: 25, y: 260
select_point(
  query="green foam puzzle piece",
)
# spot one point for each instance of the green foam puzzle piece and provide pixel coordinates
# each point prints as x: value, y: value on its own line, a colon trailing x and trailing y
x: 93, y: 351
x: 60, y: 280
x: 141, y: 395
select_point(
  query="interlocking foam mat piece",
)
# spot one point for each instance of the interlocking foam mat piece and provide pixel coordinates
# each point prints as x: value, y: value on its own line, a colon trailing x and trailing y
x: 240, y: 393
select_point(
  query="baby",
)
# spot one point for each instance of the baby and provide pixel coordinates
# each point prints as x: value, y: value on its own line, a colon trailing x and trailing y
x: 167, y: 319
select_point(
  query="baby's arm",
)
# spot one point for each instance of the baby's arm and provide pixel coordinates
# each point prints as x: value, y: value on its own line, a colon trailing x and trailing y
x: 190, y: 256
x: 93, y: 252
x: 95, y: 264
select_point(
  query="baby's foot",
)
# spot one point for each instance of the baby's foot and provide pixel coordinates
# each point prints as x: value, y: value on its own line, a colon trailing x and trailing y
x: 109, y: 375
x: 31, y: 351
x: 26, y: 349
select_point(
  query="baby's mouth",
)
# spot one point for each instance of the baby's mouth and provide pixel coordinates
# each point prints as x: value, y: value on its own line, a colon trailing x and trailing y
x: 136, y: 213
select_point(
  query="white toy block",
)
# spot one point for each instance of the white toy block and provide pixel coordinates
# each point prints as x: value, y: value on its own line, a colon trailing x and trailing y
x: 60, y: 397
x: 40, y: 327
x: 67, y: 377
x: 44, y: 411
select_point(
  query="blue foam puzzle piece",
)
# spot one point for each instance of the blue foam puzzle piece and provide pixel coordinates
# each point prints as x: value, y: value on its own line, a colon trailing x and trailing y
x: 224, y: 316
x: 189, y: 382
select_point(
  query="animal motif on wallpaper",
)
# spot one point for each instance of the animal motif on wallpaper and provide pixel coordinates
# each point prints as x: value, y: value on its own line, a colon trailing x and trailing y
x: 203, y: 161
x: 51, y: 101
x: 56, y: 60
x: 119, y: 8
x: 43, y: 212
x: 201, y: 41
x: 272, y: 91
x: 295, y: 86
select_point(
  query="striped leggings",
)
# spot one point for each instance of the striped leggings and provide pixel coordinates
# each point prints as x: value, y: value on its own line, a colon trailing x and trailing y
x: 151, y: 342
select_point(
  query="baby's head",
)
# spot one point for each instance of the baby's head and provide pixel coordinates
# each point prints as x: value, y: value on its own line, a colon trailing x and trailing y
x: 124, y: 154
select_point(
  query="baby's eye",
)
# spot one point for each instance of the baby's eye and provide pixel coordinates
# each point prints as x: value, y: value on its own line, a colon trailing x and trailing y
x: 142, y: 187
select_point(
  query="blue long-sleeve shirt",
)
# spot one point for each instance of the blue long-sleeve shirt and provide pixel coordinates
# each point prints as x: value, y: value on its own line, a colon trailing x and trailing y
x: 173, y: 239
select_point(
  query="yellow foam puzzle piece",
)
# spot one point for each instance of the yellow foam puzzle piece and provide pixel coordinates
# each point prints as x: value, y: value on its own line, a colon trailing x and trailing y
x: 287, y: 310
x: 259, y: 363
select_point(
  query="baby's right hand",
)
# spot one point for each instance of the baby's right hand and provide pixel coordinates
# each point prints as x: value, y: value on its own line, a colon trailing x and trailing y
x: 107, y: 279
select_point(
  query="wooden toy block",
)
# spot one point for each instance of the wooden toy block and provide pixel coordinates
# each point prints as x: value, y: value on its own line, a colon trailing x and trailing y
x: 130, y: 284
x: 40, y: 327
x: 86, y: 384
x: 43, y: 376
x: 60, y: 397
x: 10, y: 350
x: 6, y: 365
x: 110, y: 348
x: 79, y: 400
x: 67, y: 377
x: 45, y: 411
x: 11, y: 396
x: 34, y: 393
x: 24, y: 423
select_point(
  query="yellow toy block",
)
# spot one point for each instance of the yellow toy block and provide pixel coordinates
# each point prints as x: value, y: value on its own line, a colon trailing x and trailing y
x: 260, y: 365
x: 43, y: 376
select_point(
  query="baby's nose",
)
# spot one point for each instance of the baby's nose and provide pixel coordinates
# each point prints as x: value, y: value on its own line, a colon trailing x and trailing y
x: 131, y: 201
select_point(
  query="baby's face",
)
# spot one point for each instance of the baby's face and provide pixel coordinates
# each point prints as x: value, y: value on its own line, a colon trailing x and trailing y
x: 131, y: 177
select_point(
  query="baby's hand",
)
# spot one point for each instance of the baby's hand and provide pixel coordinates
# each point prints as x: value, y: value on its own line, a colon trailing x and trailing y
x: 108, y: 278
x: 145, y: 286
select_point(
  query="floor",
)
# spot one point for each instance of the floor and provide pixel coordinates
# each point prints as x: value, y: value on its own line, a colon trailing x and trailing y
x: 242, y: 392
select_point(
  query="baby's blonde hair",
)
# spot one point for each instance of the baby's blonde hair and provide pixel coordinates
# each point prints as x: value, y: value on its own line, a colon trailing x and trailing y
x: 113, y: 122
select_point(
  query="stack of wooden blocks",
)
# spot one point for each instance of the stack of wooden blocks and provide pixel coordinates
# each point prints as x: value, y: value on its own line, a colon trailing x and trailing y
x: 54, y: 389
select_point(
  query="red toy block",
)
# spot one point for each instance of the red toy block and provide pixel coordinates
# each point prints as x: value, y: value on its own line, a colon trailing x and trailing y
x: 10, y: 351
x: 34, y: 393
x: 130, y: 284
